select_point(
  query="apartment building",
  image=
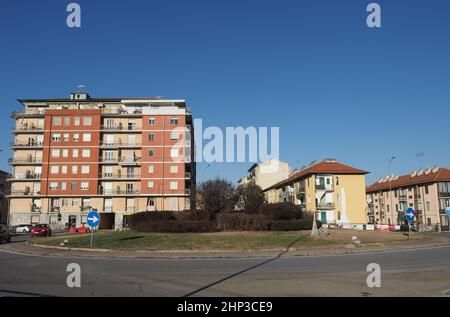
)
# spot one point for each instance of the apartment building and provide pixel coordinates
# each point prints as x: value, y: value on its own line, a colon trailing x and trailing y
x: 4, y: 189
x: 332, y: 190
x: 427, y: 191
x: 114, y: 155
x: 267, y: 173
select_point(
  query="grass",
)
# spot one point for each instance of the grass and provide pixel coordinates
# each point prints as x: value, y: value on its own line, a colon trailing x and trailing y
x: 130, y: 240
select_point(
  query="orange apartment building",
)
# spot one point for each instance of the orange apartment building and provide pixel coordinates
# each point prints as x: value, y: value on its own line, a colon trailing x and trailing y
x: 118, y: 156
x: 427, y: 191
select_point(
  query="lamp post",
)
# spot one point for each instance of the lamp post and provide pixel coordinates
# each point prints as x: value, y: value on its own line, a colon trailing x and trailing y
x: 390, y: 183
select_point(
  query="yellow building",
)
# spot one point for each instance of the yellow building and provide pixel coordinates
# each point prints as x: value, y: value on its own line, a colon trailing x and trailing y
x: 334, y: 191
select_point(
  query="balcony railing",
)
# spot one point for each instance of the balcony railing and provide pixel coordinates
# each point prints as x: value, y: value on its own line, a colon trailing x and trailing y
x: 85, y: 208
x: 120, y: 144
x: 111, y: 192
x: 325, y: 205
x: 25, y: 177
x: 29, y: 128
x: 24, y: 160
x: 118, y: 128
x: 31, y: 144
x: 55, y: 209
x: 28, y: 113
x: 24, y: 192
x: 120, y: 176
x: 121, y: 112
x: 128, y: 160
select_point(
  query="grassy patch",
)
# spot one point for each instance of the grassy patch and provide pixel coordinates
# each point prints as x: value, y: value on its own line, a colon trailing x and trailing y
x: 129, y: 240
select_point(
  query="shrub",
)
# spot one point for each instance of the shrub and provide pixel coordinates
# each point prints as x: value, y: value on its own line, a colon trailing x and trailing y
x: 170, y: 222
x: 242, y: 221
x: 192, y: 215
x: 293, y: 225
x: 282, y: 211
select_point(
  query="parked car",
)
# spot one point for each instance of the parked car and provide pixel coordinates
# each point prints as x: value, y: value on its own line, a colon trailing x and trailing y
x: 41, y: 230
x: 5, y: 234
x: 22, y: 228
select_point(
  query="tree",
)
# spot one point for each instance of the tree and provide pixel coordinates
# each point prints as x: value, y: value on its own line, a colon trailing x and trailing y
x: 216, y: 196
x: 249, y: 197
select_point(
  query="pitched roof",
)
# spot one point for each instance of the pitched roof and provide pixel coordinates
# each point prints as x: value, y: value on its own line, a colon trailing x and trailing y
x: 443, y: 174
x: 324, y: 167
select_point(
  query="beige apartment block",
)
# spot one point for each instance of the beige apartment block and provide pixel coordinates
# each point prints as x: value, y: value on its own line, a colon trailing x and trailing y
x: 118, y: 156
x: 427, y: 191
x: 267, y: 173
x: 333, y: 191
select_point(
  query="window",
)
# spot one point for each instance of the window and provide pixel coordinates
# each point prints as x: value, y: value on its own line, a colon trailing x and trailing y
x: 174, y: 121
x: 56, y: 137
x: 174, y: 169
x: 150, y: 184
x: 64, y: 169
x: 76, y: 137
x: 64, y: 202
x: 74, y: 202
x: 84, y: 186
x: 73, y: 186
x: 74, y: 169
x: 86, y: 137
x: 87, y: 121
x: 56, y: 121
x: 337, y: 198
x: 63, y: 186
x: 66, y: 120
x: 85, y: 169
x: 337, y: 180
x: 55, y: 153
x: 151, y: 169
x: 86, y: 153
x: 76, y: 121
x: 173, y: 185
x: 54, y: 169
x: 66, y: 137
x: 65, y: 153
x: 174, y: 153
x: 151, y: 152
x: 151, y: 121
x: 174, y: 135
x: 151, y: 137
x: 339, y: 215
x: 426, y: 189
x: 75, y: 153
x: 53, y: 186
x: 427, y: 206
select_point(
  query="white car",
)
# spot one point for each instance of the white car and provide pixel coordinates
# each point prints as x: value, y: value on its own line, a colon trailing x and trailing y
x: 22, y: 228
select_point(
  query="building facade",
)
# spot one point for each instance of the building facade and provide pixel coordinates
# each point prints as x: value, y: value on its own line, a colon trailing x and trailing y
x: 118, y: 156
x: 334, y: 191
x: 267, y: 173
x: 427, y: 191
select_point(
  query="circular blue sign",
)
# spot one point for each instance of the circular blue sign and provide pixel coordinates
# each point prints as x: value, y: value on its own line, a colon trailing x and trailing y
x: 93, y: 219
x: 410, y: 214
x: 447, y: 212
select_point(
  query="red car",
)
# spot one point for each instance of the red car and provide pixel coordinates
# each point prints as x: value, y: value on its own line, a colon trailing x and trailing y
x: 41, y: 230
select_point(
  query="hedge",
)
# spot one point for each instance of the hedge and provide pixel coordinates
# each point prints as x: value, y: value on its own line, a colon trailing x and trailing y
x: 281, y: 211
x: 242, y: 221
x: 293, y: 225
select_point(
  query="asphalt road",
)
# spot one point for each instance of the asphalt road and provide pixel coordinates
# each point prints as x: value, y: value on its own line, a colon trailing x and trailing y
x: 424, y: 272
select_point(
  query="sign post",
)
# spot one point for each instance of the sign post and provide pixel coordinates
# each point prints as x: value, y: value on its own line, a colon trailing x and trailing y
x: 93, y: 220
x: 410, y: 215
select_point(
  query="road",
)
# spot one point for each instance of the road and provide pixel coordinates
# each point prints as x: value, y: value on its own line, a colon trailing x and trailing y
x: 423, y: 272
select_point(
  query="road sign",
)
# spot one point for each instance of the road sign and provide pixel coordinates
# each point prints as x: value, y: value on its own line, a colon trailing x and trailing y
x: 410, y: 214
x: 447, y: 212
x: 93, y: 219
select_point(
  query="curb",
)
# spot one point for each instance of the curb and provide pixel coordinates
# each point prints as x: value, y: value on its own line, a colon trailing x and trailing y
x: 230, y: 254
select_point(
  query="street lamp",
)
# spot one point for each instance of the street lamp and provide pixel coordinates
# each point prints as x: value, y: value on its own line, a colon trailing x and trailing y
x: 390, y: 184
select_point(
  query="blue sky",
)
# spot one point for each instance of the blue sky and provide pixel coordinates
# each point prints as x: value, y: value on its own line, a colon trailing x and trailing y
x: 313, y: 68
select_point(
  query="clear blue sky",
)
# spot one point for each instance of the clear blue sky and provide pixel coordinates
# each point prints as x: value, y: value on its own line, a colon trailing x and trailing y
x: 334, y: 87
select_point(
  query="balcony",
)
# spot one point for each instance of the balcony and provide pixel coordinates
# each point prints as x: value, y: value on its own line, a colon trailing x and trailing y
x: 35, y: 208
x: 124, y: 192
x: 27, y: 129
x: 24, y: 145
x: 85, y: 208
x: 325, y: 206
x: 129, y: 161
x: 119, y: 176
x: 24, y: 192
x: 112, y: 145
x: 25, y: 161
x: 122, y: 112
x: 55, y: 209
x: 187, y: 175
x: 25, y: 177
x: 28, y: 114
x: 187, y: 191
x: 120, y: 128
x: 108, y: 160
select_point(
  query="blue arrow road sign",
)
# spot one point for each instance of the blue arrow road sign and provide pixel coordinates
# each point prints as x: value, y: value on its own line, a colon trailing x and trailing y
x: 93, y: 219
x: 410, y: 215
x: 447, y: 212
